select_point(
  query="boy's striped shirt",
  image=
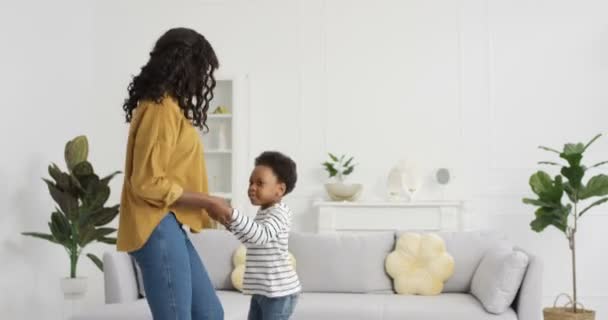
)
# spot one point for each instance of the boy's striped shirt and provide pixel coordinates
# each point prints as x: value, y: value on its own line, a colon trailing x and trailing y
x: 268, y: 271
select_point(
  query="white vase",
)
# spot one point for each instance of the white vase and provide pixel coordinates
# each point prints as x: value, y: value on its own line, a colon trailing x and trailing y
x: 74, y: 288
x: 394, y: 185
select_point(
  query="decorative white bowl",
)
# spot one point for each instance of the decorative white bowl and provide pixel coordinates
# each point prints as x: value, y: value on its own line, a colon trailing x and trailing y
x: 343, y: 192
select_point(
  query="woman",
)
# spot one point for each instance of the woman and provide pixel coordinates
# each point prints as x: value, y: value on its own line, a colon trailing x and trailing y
x: 165, y: 175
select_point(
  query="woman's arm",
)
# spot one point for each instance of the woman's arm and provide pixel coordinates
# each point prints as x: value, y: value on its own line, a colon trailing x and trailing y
x: 217, y: 208
x: 154, y: 143
x: 245, y: 228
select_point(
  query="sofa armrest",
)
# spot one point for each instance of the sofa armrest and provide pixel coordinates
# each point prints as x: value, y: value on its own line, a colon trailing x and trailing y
x: 528, y: 303
x: 119, y: 278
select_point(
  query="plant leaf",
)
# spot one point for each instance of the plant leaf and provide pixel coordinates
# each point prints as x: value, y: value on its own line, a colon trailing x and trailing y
x: 100, y: 217
x: 88, y: 181
x: 96, y: 261
x: 558, y: 217
x: 574, y: 148
x: 83, y: 168
x: 598, y: 164
x: 61, y: 237
x: 66, y: 201
x: 539, y: 203
x: 575, y: 176
x: 103, y: 232
x: 550, y: 163
x: 96, y: 196
x: 105, y: 180
x: 76, y: 151
x: 39, y: 235
x: 597, y: 186
x: 348, y: 161
x: 549, y: 149
x: 570, y: 192
x: 108, y: 240
x: 334, y: 158
x: 348, y: 170
x: 546, y: 189
x: 86, y: 235
x: 592, y: 141
x: 58, y: 176
x: 330, y: 169
x: 596, y: 203
x: 62, y: 224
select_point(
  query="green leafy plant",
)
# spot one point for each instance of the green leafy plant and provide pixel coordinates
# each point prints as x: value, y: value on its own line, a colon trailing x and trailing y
x: 565, y: 215
x: 338, y: 167
x: 81, y: 214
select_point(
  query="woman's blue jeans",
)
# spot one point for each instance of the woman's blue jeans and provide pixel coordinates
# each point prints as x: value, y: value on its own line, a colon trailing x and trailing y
x: 175, y: 280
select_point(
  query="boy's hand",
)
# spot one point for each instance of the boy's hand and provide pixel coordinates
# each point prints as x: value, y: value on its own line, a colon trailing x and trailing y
x: 219, y: 210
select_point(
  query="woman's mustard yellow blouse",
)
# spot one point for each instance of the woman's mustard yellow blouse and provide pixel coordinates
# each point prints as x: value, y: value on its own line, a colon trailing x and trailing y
x: 164, y: 159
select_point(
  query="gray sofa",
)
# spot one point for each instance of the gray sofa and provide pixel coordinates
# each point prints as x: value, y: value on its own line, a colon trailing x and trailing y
x: 343, y: 277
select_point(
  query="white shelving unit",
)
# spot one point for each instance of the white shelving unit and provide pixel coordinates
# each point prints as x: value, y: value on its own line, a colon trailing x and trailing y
x: 224, y: 145
x: 389, y: 216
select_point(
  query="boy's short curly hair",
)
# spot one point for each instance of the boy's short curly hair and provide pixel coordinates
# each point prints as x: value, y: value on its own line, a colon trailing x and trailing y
x: 283, y: 167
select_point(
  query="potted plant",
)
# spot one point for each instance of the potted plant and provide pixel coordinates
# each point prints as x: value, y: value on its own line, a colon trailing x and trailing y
x: 338, y: 169
x: 81, y: 214
x: 565, y: 216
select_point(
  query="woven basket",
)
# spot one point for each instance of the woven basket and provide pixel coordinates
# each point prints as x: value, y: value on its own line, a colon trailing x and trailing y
x: 565, y: 312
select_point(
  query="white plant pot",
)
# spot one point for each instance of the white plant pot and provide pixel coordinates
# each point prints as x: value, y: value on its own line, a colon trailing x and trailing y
x: 74, y: 288
x: 339, y: 191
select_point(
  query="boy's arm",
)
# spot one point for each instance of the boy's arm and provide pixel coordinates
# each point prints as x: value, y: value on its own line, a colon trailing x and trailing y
x: 259, y: 233
x: 245, y: 228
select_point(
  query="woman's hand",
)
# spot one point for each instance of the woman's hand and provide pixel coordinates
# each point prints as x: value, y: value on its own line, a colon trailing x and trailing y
x: 217, y: 208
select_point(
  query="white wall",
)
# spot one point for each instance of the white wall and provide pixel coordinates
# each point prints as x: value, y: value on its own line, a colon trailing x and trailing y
x: 473, y: 85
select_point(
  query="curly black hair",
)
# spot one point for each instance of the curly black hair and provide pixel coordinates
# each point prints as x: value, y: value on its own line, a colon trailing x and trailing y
x: 283, y: 167
x: 181, y: 65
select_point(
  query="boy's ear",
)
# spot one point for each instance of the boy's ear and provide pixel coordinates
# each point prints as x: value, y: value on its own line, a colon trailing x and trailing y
x: 282, y: 189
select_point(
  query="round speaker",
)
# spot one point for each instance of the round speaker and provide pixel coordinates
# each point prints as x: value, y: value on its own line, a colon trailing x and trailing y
x: 443, y: 176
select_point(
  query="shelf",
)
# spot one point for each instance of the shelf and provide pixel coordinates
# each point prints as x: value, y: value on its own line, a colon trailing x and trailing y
x: 219, y: 116
x: 376, y: 204
x: 225, y: 195
x: 218, y: 151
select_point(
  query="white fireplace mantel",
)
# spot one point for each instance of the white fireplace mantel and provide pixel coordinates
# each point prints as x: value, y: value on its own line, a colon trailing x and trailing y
x: 378, y: 216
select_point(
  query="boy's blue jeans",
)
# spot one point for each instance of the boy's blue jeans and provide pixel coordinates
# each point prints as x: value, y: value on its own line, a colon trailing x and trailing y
x: 264, y: 308
x: 175, y: 280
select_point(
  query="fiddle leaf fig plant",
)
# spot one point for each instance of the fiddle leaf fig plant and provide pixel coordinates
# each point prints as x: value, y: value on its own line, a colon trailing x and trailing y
x: 81, y: 215
x: 581, y: 196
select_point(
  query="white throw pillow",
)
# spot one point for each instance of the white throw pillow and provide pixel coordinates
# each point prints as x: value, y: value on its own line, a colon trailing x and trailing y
x: 498, y: 278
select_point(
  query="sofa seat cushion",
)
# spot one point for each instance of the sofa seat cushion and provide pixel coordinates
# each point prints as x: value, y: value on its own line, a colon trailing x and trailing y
x: 338, y: 306
x: 236, y: 306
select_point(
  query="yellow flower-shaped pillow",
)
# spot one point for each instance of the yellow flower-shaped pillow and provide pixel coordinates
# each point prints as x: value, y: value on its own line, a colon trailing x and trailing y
x: 420, y: 264
x: 238, y: 260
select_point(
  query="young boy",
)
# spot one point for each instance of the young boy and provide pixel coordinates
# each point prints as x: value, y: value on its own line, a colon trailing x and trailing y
x: 269, y: 276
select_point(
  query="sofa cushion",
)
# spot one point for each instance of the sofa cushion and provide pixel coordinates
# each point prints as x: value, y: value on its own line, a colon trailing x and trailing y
x: 467, y: 249
x: 215, y: 247
x: 419, y: 264
x: 498, y: 278
x: 338, y: 306
x: 235, y: 304
x: 139, y: 277
x: 342, y: 262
